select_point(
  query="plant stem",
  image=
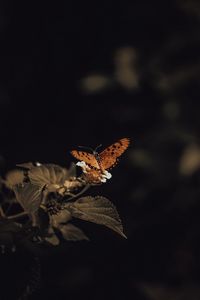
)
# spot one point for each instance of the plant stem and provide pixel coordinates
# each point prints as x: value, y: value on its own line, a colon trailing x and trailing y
x: 23, y: 213
x: 2, y: 212
x: 79, y: 194
x: 17, y: 216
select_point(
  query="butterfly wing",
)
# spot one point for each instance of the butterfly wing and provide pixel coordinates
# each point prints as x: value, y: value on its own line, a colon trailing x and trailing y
x: 108, y: 157
x: 88, y: 158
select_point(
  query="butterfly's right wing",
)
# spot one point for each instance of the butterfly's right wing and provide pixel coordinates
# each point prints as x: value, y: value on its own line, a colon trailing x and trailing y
x: 88, y: 158
x: 109, y: 156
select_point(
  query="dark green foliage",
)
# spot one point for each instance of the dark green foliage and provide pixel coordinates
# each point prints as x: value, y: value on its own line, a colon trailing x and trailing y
x: 29, y: 196
x: 49, y: 199
x: 98, y: 210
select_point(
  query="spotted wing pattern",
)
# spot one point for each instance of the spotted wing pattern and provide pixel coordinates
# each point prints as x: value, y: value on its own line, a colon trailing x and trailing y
x: 109, y: 156
x: 88, y: 158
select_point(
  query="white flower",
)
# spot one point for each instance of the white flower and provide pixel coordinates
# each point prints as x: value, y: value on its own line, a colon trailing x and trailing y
x: 98, y: 174
x: 81, y: 164
x: 107, y: 175
x: 84, y: 166
x: 103, y: 179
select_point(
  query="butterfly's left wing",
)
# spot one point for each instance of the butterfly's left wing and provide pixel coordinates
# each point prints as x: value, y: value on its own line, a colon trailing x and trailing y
x: 108, y: 157
x: 88, y: 158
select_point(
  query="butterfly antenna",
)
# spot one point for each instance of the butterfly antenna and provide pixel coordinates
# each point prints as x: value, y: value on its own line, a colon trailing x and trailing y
x: 98, y: 147
x: 86, y: 148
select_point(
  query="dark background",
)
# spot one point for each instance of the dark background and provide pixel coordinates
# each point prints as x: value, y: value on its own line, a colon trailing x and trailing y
x: 85, y: 73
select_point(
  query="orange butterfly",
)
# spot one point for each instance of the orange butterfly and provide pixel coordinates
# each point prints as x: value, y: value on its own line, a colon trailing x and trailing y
x: 104, y: 160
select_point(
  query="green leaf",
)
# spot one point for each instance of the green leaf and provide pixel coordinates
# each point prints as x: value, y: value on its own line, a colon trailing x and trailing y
x: 62, y: 217
x: 13, y: 178
x: 72, y: 170
x: 72, y: 233
x: 52, y: 238
x: 29, y: 196
x: 28, y: 165
x: 48, y: 174
x: 98, y: 210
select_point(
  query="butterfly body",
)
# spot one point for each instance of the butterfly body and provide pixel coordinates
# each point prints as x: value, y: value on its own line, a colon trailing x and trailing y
x: 104, y: 160
x: 98, y: 159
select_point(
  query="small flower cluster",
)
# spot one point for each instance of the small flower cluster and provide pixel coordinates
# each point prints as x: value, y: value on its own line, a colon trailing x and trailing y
x: 94, y: 175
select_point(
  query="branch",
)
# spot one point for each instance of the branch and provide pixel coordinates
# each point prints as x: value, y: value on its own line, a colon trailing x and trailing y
x: 80, y: 193
x: 2, y: 212
x: 17, y: 216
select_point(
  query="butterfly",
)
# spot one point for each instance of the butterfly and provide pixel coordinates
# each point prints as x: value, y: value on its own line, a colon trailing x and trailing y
x: 104, y: 160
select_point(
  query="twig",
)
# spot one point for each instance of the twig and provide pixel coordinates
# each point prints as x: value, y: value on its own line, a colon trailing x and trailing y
x: 70, y: 194
x: 2, y: 212
x: 17, y: 216
x: 80, y: 193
